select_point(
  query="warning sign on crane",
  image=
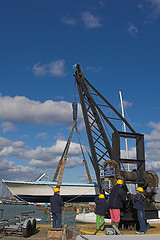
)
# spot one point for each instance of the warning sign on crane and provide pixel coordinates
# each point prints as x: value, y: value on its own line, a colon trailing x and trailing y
x: 107, y: 173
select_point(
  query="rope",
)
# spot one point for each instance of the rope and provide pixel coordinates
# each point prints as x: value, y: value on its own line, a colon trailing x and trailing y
x: 77, y: 197
x: 84, y: 160
x: 84, y: 144
x: 70, y: 201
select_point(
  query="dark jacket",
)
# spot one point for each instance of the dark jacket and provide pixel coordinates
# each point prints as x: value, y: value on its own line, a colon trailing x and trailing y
x: 101, y: 206
x: 56, y: 203
x: 117, y: 197
x: 138, y: 201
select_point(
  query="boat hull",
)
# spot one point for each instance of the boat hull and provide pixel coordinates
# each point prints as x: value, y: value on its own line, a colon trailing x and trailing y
x: 91, y: 218
x: 42, y: 191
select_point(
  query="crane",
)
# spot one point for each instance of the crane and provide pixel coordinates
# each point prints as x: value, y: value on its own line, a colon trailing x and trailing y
x: 103, y: 126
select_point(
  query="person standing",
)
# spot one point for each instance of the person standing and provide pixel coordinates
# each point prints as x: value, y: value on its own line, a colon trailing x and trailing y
x: 116, y: 200
x: 101, y: 207
x: 139, y: 204
x: 56, y: 208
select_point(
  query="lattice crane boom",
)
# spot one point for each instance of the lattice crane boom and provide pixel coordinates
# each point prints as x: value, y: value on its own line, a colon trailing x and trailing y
x: 103, y: 125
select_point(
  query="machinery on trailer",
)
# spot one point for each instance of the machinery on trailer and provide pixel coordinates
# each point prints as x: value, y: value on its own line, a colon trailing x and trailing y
x: 103, y: 125
x: 24, y: 223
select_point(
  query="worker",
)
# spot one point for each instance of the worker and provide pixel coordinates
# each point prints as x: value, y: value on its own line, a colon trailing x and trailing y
x: 56, y: 208
x: 139, y: 204
x: 116, y: 200
x: 101, y: 207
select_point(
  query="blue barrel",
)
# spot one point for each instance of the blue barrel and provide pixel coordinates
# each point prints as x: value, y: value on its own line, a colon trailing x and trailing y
x: 74, y: 106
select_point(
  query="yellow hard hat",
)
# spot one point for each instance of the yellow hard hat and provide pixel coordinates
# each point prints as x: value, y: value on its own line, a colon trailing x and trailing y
x: 56, y: 189
x: 119, y: 181
x: 140, y: 189
x: 101, y: 196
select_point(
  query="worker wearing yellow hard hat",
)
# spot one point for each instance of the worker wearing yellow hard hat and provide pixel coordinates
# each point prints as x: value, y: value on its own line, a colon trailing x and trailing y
x: 101, y: 207
x: 119, y: 181
x: 101, y: 196
x: 139, y: 189
x: 56, y: 190
x: 139, y: 204
x: 116, y: 200
x: 56, y: 208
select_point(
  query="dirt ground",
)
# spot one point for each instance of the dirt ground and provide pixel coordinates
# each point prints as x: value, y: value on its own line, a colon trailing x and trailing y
x: 42, y: 232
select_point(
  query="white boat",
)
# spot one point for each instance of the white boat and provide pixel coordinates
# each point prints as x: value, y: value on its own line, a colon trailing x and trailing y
x: 91, y: 218
x: 41, y: 191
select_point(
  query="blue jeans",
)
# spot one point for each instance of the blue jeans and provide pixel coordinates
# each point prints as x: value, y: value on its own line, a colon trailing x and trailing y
x: 56, y: 220
x: 141, y: 219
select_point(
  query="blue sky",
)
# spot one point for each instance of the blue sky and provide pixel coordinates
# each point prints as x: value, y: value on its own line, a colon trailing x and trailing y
x: 116, y: 42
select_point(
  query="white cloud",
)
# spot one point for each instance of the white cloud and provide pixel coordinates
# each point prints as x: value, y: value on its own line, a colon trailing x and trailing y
x: 154, y: 165
x: 102, y: 2
x: 5, y: 142
x: 8, y: 147
x: 155, y: 10
x: 155, y: 134
x: 50, y: 156
x: 42, y: 164
x: 20, y: 109
x: 10, y: 171
x: 69, y: 21
x: 90, y: 20
x: 94, y: 68
x: 5, y: 165
x: 70, y: 163
x: 153, y: 147
x: 7, y: 151
x: 140, y: 6
x: 151, y: 8
x: 39, y: 158
x: 153, y: 150
x: 7, y: 127
x: 50, y: 153
x: 131, y: 153
x: 84, y: 178
x: 127, y: 104
x: 132, y: 29
x: 53, y: 69
x: 41, y: 135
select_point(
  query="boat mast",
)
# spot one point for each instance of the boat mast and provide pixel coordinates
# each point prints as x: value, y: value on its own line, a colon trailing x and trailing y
x: 124, y: 126
x: 126, y: 141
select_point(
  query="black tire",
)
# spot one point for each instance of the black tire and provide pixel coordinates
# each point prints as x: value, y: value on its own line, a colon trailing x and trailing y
x: 33, y: 231
x: 27, y: 231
